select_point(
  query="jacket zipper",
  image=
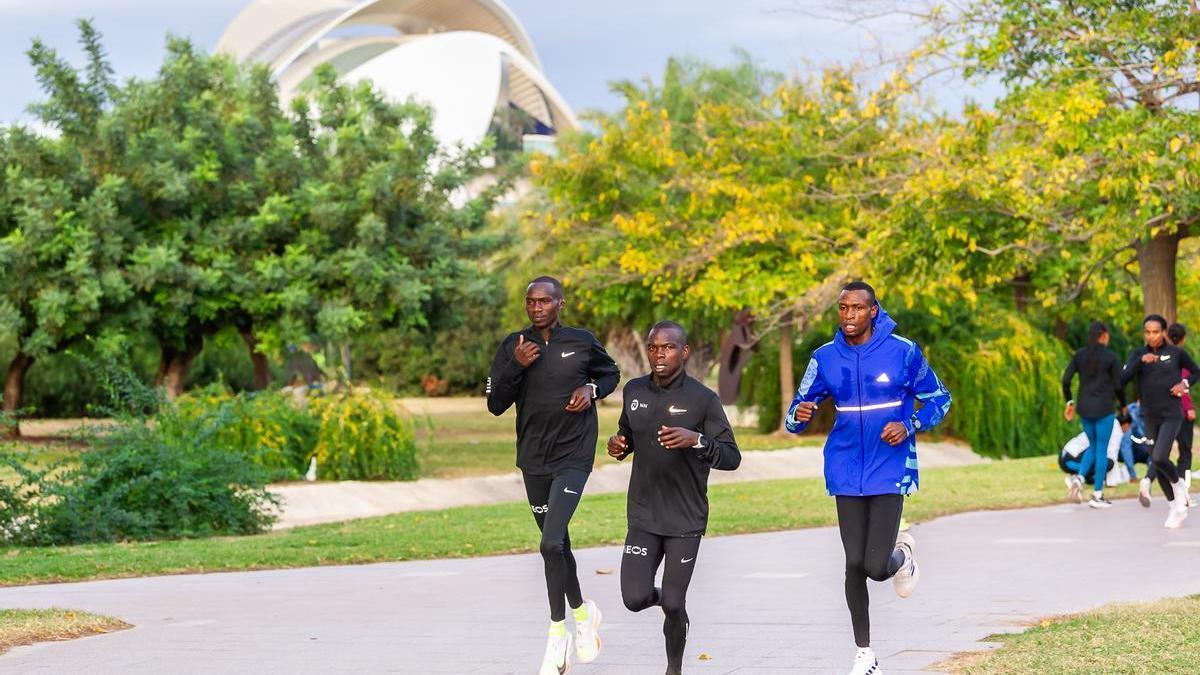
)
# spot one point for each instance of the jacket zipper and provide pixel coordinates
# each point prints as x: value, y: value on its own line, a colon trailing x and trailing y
x: 862, y: 439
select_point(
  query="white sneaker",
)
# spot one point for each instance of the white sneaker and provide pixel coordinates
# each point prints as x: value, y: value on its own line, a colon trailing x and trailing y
x: 1099, y: 502
x: 1176, y: 514
x: 587, y: 635
x: 557, y: 660
x: 1075, y: 488
x: 1144, y: 492
x: 906, y: 578
x: 865, y: 663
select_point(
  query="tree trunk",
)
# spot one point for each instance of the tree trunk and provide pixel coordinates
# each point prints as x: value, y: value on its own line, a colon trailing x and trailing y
x: 14, y: 389
x: 787, y: 381
x: 175, y: 376
x: 1156, y: 260
x: 626, y: 350
x: 347, y: 364
x: 1020, y: 285
x: 262, y: 369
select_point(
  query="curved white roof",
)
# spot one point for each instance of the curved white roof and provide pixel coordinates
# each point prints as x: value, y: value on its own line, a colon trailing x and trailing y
x: 277, y: 31
x: 465, y: 58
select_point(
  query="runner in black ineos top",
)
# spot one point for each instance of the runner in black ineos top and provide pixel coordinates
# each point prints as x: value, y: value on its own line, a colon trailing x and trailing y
x: 553, y: 373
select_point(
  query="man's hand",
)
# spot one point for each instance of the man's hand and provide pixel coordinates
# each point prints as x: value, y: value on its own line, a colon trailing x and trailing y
x: 581, y: 399
x: 805, y: 411
x: 617, y: 446
x: 1069, y: 413
x: 676, y: 438
x: 526, y: 352
x: 1149, y: 358
x: 1179, y: 389
x: 1191, y: 415
x: 894, y: 433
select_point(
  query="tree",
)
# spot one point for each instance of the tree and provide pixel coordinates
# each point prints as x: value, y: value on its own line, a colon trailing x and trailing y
x: 721, y: 190
x: 1124, y: 67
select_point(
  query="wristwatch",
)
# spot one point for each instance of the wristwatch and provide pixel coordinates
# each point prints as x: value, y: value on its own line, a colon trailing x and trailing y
x: 593, y: 386
x: 699, y: 441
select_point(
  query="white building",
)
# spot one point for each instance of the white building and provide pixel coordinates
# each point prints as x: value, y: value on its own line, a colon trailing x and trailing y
x: 470, y: 60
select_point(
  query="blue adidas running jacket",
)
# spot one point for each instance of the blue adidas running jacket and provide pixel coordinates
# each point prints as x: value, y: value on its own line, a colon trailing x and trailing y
x: 872, y: 384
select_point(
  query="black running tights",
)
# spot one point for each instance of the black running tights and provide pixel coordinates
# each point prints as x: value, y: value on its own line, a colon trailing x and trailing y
x: 644, y: 552
x: 869, y: 526
x: 1163, y: 432
x: 553, y: 500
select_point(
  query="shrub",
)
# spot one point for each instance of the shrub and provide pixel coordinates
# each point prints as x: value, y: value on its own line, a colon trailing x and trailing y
x: 362, y: 438
x: 268, y: 427
x: 139, y: 482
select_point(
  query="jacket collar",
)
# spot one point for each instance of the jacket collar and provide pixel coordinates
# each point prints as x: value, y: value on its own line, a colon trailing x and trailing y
x: 677, y: 383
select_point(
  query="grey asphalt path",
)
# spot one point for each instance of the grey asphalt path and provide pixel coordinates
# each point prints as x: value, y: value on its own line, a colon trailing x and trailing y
x: 762, y: 603
x: 330, y: 502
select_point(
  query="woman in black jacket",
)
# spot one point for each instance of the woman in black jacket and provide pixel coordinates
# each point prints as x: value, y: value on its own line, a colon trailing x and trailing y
x: 1099, y: 384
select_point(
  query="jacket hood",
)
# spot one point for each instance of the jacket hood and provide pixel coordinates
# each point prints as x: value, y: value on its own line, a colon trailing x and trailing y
x: 881, y: 328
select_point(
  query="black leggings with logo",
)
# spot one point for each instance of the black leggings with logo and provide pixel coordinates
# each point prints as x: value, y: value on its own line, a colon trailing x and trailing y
x: 553, y: 500
x: 644, y: 552
x: 1163, y: 431
x: 869, y: 526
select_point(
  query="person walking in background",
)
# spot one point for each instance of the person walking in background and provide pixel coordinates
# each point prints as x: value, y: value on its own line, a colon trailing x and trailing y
x: 1158, y: 366
x: 1099, y: 373
x: 1177, y: 334
x: 553, y: 373
x: 875, y: 378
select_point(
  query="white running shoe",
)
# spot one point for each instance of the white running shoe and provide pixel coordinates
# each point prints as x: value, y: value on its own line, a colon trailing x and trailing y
x: 906, y: 578
x: 1075, y: 488
x: 587, y: 634
x: 1099, y: 502
x: 1176, y: 514
x: 557, y: 660
x: 865, y: 663
x: 1144, y: 492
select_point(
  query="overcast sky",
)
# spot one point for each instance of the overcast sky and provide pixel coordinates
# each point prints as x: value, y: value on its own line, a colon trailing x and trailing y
x: 583, y: 45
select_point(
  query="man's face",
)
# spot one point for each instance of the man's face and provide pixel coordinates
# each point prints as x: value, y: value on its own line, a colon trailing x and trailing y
x: 666, y: 353
x: 1154, y: 333
x: 855, y: 312
x: 541, y: 305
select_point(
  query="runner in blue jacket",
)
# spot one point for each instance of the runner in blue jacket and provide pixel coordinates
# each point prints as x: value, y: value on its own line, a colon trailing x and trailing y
x: 875, y: 379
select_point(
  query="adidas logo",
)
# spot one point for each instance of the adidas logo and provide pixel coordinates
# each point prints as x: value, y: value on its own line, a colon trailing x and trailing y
x: 883, y: 378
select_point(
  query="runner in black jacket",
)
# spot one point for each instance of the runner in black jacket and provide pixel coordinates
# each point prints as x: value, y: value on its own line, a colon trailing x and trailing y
x: 1099, y: 384
x: 553, y: 373
x: 676, y: 430
x: 1158, y: 367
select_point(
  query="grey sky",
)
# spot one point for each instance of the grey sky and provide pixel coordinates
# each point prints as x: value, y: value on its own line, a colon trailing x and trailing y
x: 583, y: 45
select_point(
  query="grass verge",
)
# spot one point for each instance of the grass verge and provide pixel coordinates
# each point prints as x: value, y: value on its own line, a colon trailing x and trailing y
x: 26, y: 626
x: 509, y: 528
x: 1115, y: 639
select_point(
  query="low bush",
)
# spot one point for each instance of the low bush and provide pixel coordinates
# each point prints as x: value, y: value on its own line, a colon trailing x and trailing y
x: 362, y: 438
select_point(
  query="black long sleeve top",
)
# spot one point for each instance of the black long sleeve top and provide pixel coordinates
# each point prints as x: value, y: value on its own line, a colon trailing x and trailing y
x: 668, y: 491
x: 1099, y: 381
x: 548, y: 437
x: 1156, y: 379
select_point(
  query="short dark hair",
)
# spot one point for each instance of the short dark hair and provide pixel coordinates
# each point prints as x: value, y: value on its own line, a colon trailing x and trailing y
x: 1177, y: 332
x: 552, y: 282
x: 1124, y: 418
x: 861, y: 286
x: 664, y: 325
x: 1156, y: 317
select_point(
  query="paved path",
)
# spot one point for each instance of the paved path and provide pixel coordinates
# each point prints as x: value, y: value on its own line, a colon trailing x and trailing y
x: 310, y: 503
x: 762, y: 603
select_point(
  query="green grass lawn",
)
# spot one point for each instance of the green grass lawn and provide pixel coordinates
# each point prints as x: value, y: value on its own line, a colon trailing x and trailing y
x: 508, y: 528
x: 27, y: 626
x: 461, y: 438
x: 1154, y: 637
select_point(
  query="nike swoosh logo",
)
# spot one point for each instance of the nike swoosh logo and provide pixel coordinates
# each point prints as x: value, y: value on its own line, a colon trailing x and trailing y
x: 686, y: 560
x: 570, y: 491
x: 676, y: 411
x: 566, y: 354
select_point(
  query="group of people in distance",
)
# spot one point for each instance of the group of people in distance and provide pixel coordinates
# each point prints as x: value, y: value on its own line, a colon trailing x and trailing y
x: 1162, y: 417
x: 676, y: 430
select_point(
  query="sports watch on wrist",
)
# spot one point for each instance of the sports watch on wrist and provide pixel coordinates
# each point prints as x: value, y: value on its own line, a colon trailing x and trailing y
x: 699, y: 441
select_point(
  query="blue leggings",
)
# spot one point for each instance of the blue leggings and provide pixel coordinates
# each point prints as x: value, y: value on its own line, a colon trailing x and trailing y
x: 1098, y: 431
